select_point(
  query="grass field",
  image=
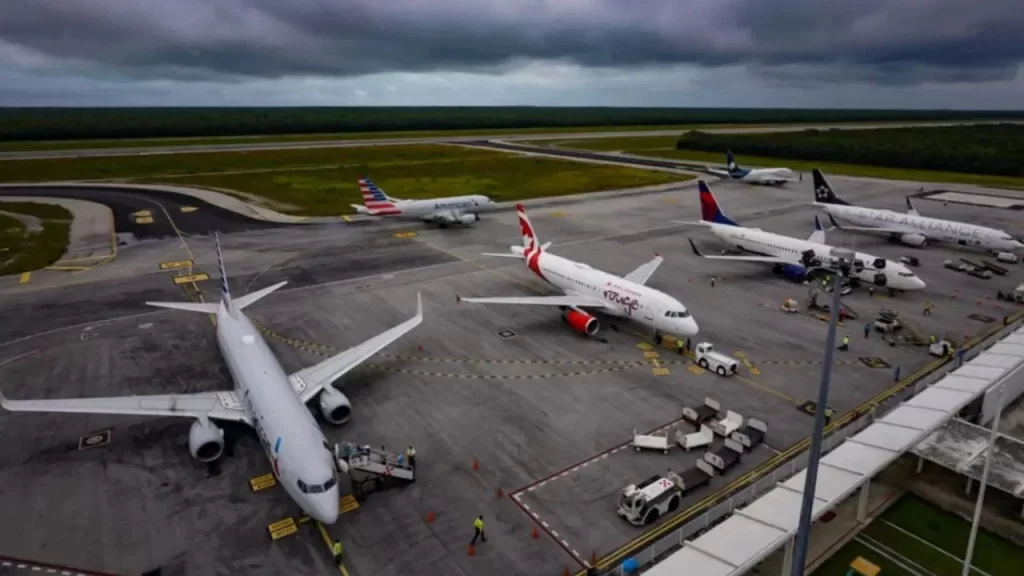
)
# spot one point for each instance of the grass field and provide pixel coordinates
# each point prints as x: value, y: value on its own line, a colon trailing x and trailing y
x: 664, y: 147
x: 24, y: 252
x: 914, y: 538
x: 322, y: 182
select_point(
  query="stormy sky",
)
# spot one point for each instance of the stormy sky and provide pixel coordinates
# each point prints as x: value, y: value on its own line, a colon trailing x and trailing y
x: 793, y: 53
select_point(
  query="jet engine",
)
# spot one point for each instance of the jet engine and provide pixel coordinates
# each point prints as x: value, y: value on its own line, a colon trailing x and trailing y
x: 467, y: 218
x: 581, y: 321
x: 915, y: 240
x: 880, y: 279
x: 335, y: 406
x: 791, y: 272
x: 205, y: 441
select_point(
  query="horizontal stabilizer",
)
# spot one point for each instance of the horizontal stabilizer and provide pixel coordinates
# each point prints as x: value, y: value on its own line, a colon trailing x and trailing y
x: 205, y: 307
x: 248, y: 299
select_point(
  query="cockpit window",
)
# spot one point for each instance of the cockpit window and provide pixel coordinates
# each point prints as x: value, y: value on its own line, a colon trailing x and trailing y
x: 317, y: 488
x: 906, y: 274
x: 676, y: 314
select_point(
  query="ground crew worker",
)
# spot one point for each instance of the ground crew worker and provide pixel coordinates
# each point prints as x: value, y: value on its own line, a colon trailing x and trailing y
x: 336, y: 550
x: 928, y: 308
x: 828, y: 414
x: 871, y: 291
x: 846, y: 343
x: 867, y: 329
x: 931, y: 339
x: 897, y: 376
x: 410, y: 455
x: 712, y: 281
x: 478, y: 530
x: 681, y: 346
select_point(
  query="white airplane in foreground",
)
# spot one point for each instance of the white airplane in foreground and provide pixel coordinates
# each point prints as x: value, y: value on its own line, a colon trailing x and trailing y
x: 272, y: 402
x: 442, y: 211
x: 585, y: 287
x: 792, y: 256
x: 910, y: 228
x: 767, y: 176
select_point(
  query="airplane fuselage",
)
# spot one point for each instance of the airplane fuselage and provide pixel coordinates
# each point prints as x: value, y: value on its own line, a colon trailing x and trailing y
x: 947, y: 231
x: 293, y: 442
x: 767, y: 176
x: 758, y: 241
x: 428, y: 209
x: 625, y: 299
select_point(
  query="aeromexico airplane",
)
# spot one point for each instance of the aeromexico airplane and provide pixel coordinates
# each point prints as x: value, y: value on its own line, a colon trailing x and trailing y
x: 792, y: 256
x: 264, y: 397
x: 585, y: 287
x: 910, y: 228
x: 442, y: 211
x: 767, y: 176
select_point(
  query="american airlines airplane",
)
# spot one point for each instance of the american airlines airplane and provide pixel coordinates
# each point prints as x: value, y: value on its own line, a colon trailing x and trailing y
x: 792, y: 256
x: 442, y: 211
x: 910, y: 228
x: 585, y: 287
x: 264, y: 397
x: 767, y: 176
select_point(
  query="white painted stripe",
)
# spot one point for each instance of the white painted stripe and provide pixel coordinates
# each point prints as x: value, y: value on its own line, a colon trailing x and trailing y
x: 6, y: 563
x: 526, y: 506
x: 545, y: 524
x: 555, y: 534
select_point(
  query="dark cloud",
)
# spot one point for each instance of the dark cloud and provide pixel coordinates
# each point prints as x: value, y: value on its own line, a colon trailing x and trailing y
x: 884, y: 41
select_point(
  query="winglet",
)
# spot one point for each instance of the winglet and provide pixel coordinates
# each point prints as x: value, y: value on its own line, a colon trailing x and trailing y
x: 694, y: 247
x: 817, y: 224
x: 419, y: 305
x: 910, y: 206
x: 458, y: 298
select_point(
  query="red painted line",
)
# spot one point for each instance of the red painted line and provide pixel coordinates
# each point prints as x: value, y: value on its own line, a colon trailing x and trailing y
x: 33, y: 563
x: 561, y: 543
x: 591, y: 459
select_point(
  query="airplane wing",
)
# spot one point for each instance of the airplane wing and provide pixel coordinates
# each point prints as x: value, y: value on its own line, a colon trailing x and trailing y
x: 567, y: 300
x: 308, y: 382
x: 871, y: 228
x: 765, y: 259
x: 447, y: 216
x: 641, y: 274
x: 213, y: 405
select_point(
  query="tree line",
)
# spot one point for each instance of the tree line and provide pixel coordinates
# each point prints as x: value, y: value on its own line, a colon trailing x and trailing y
x: 95, y: 123
x: 977, y: 149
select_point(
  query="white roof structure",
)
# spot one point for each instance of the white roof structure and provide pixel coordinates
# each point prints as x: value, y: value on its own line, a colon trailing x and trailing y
x: 960, y: 446
x: 752, y: 533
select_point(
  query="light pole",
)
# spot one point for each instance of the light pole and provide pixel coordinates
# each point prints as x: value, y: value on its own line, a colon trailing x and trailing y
x: 842, y: 259
x: 984, y: 482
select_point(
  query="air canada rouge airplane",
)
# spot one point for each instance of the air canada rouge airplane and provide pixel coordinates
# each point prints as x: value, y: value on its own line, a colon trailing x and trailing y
x: 441, y: 211
x: 794, y: 257
x: 909, y: 228
x: 264, y: 397
x: 585, y: 287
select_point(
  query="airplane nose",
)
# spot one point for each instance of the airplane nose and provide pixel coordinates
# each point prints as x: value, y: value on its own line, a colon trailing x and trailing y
x: 917, y: 284
x: 324, y: 507
x: 688, y: 328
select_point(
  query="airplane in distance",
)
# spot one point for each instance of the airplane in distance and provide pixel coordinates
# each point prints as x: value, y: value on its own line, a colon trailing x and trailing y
x: 910, y: 228
x: 441, y: 211
x: 264, y: 397
x: 793, y: 257
x: 766, y: 176
x: 585, y: 287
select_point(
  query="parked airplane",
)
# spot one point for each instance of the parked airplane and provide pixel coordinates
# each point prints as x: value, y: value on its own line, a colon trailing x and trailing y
x: 792, y: 256
x: 767, y: 176
x: 272, y: 402
x: 442, y: 211
x: 585, y: 287
x: 911, y: 228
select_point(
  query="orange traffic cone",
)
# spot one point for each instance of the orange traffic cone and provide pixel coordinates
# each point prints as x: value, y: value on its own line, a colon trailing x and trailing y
x: 535, y: 534
x: 476, y: 465
x: 431, y: 518
x: 471, y: 551
x: 501, y: 494
x: 593, y: 558
x: 565, y: 572
x: 419, y: 348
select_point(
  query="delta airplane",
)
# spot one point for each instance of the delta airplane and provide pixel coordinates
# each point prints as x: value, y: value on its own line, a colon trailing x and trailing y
x: 442, y: 211
x: 264, y: 397
x: 911, y: 228
x: 585, y: 287
x: 792, y: 256
x: 766, y: 176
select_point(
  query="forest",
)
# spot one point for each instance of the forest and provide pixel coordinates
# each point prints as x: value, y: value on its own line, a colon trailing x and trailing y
x: 95, y: 123
x: 994, y: 149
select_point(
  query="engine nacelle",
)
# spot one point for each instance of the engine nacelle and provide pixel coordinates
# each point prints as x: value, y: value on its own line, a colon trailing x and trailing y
x: 468, y: 218
x: 205, y: 441
x: 915, y: 240
x: 582, y: 322
x: 880, y: 279
x: 335, y: 406
x: 793, y: 272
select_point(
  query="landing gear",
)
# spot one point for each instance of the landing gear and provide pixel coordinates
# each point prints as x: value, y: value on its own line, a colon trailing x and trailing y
x: 657, y: 338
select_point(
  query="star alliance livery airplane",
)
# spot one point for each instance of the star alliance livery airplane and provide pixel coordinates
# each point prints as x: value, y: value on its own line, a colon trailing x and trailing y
x: 910, y: 228
x: 264, y: 397
x: 766, y: 176
x: 442, y: 211
x: 584, y: 287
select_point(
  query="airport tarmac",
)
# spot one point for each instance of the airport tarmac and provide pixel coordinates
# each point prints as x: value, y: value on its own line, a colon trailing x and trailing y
x: 508, y: 386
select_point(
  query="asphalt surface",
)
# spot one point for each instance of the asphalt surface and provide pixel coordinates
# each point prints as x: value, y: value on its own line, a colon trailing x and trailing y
x: 165, y: 209
x: 587, y: 155
x: 526, y: 408
x: 398, y: 141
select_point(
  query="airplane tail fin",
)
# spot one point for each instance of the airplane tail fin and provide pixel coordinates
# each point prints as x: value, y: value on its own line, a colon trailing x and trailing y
x: 818, y: 236
x: 823, y: 193
x: 375, y: 200
x: 224, y: 290
x: 709, y: 209
x: 252, y: 297
x: 530, y: 239
x: 910, y: 207
x: 732, y: 166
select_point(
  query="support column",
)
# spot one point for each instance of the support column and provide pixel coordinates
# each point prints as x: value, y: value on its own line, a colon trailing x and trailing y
x: 970, y: 484
x: 787, y: 558
x: 862, y: 502
x: 920, y: 464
